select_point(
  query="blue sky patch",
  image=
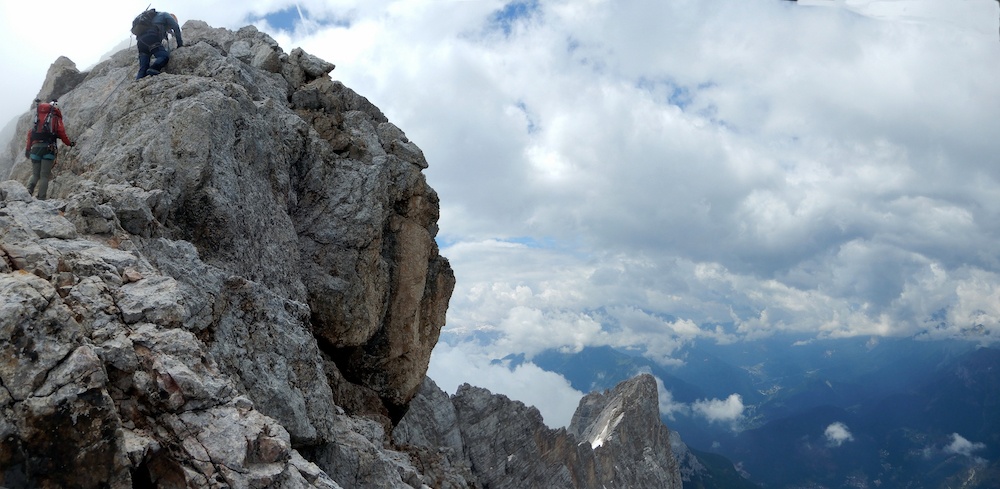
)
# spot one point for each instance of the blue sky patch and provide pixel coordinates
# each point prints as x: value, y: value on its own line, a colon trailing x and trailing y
x: 284, y: 19
x: 505, y: 18
x: 533, y: 242
x: 668, y: 91
x: 532, y: 125
x: 290, y: 18
x: 445, y: 241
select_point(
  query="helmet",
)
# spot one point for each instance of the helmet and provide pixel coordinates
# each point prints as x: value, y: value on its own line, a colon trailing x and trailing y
x: 175, y: 17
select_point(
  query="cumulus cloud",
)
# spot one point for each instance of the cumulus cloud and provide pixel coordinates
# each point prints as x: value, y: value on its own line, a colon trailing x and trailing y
x: 961, y: 446
x: 837, y: 434
x: 729, y: 410
x: 551, y: 393
x: 667, y: 405
x: 720, y: 410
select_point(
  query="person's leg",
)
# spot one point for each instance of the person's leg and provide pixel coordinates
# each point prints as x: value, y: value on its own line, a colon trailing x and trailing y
x: 43, y: 180
x: 36, y: 166
x: 160, y: 58
x: 143, y: 65
x: 145, y: 43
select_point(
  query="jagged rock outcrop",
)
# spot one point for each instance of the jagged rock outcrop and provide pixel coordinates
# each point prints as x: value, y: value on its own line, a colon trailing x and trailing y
x: 616, y: 439
x: 265, y: 164
x: 430, y: 432
x: 235, y: 251
x: 62, y: 77
x: 612, y: 422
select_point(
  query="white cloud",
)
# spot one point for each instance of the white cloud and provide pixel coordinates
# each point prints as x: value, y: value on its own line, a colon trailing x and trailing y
x: 551, y: 393
x: 720, y: 410
x: 667, y: 405
x: 961, y: 446
x: 837, y: 434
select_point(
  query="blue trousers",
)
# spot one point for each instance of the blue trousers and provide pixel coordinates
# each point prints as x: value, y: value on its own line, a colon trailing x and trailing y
x: 152, y: 54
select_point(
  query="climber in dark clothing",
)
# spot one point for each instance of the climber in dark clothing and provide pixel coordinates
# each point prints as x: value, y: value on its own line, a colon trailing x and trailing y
x: 152, y: 55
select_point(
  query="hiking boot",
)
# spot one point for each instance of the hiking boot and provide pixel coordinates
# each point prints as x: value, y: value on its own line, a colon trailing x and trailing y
x: 152, y: 72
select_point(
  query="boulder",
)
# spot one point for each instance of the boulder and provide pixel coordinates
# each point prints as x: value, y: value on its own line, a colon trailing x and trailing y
x: 62, y: 77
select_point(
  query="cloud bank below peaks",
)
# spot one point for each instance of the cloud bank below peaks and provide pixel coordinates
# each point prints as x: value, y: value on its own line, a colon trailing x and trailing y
x: 787, y: 175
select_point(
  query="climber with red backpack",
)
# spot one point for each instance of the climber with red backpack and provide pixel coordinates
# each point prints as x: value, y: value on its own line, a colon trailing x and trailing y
x: 43, y: 138
x: 150, y: 29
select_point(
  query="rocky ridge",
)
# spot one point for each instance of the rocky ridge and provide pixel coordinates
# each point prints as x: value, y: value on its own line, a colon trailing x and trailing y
x: 235, y: 283
x: 616, y: 439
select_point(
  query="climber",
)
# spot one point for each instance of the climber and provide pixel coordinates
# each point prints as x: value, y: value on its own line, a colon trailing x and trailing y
x: 41, y: 148
x: 150, y: 29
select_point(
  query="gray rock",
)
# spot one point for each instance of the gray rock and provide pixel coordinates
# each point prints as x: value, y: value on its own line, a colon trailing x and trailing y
x: 431, y: 421
x: 631, y: 444
x: 360, y: 460
x: 60, y: 79
x: 691, y: 468
x: 431, y: 433
x: 93, y: 394
x: 509, y: 446
x: 11, y: 191
x: 263, y: 341
x: 44, y: 219
x: 303, y: 68
x: 616, y: 439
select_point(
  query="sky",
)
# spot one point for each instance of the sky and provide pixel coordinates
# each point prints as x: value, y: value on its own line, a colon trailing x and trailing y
x: 648, y: 173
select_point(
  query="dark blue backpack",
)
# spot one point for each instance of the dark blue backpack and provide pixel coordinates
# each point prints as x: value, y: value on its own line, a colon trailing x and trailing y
x: 143, y: 22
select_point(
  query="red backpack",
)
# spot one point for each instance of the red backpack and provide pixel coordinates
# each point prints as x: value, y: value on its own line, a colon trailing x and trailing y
x: 42, y: 130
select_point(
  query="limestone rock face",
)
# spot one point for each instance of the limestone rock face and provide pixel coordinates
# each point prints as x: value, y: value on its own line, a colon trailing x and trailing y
x: 430, y: 432
x: 692, y: 470
x: 616, y: 439
x: 102, y: 386
x: 233, y: 247
x: 613, y: 421
x: 265, y: 164
x: 62, y: 77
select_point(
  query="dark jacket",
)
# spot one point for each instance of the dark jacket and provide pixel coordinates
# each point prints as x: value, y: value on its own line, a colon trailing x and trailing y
x: 164, y: 23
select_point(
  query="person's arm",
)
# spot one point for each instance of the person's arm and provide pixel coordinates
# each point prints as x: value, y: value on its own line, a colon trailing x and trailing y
x: 172, y: 23
x: 60, y: 130
x: 27, y: 147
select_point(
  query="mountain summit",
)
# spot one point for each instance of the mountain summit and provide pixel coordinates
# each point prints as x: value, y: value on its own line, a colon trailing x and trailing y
x: 235, y: 283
